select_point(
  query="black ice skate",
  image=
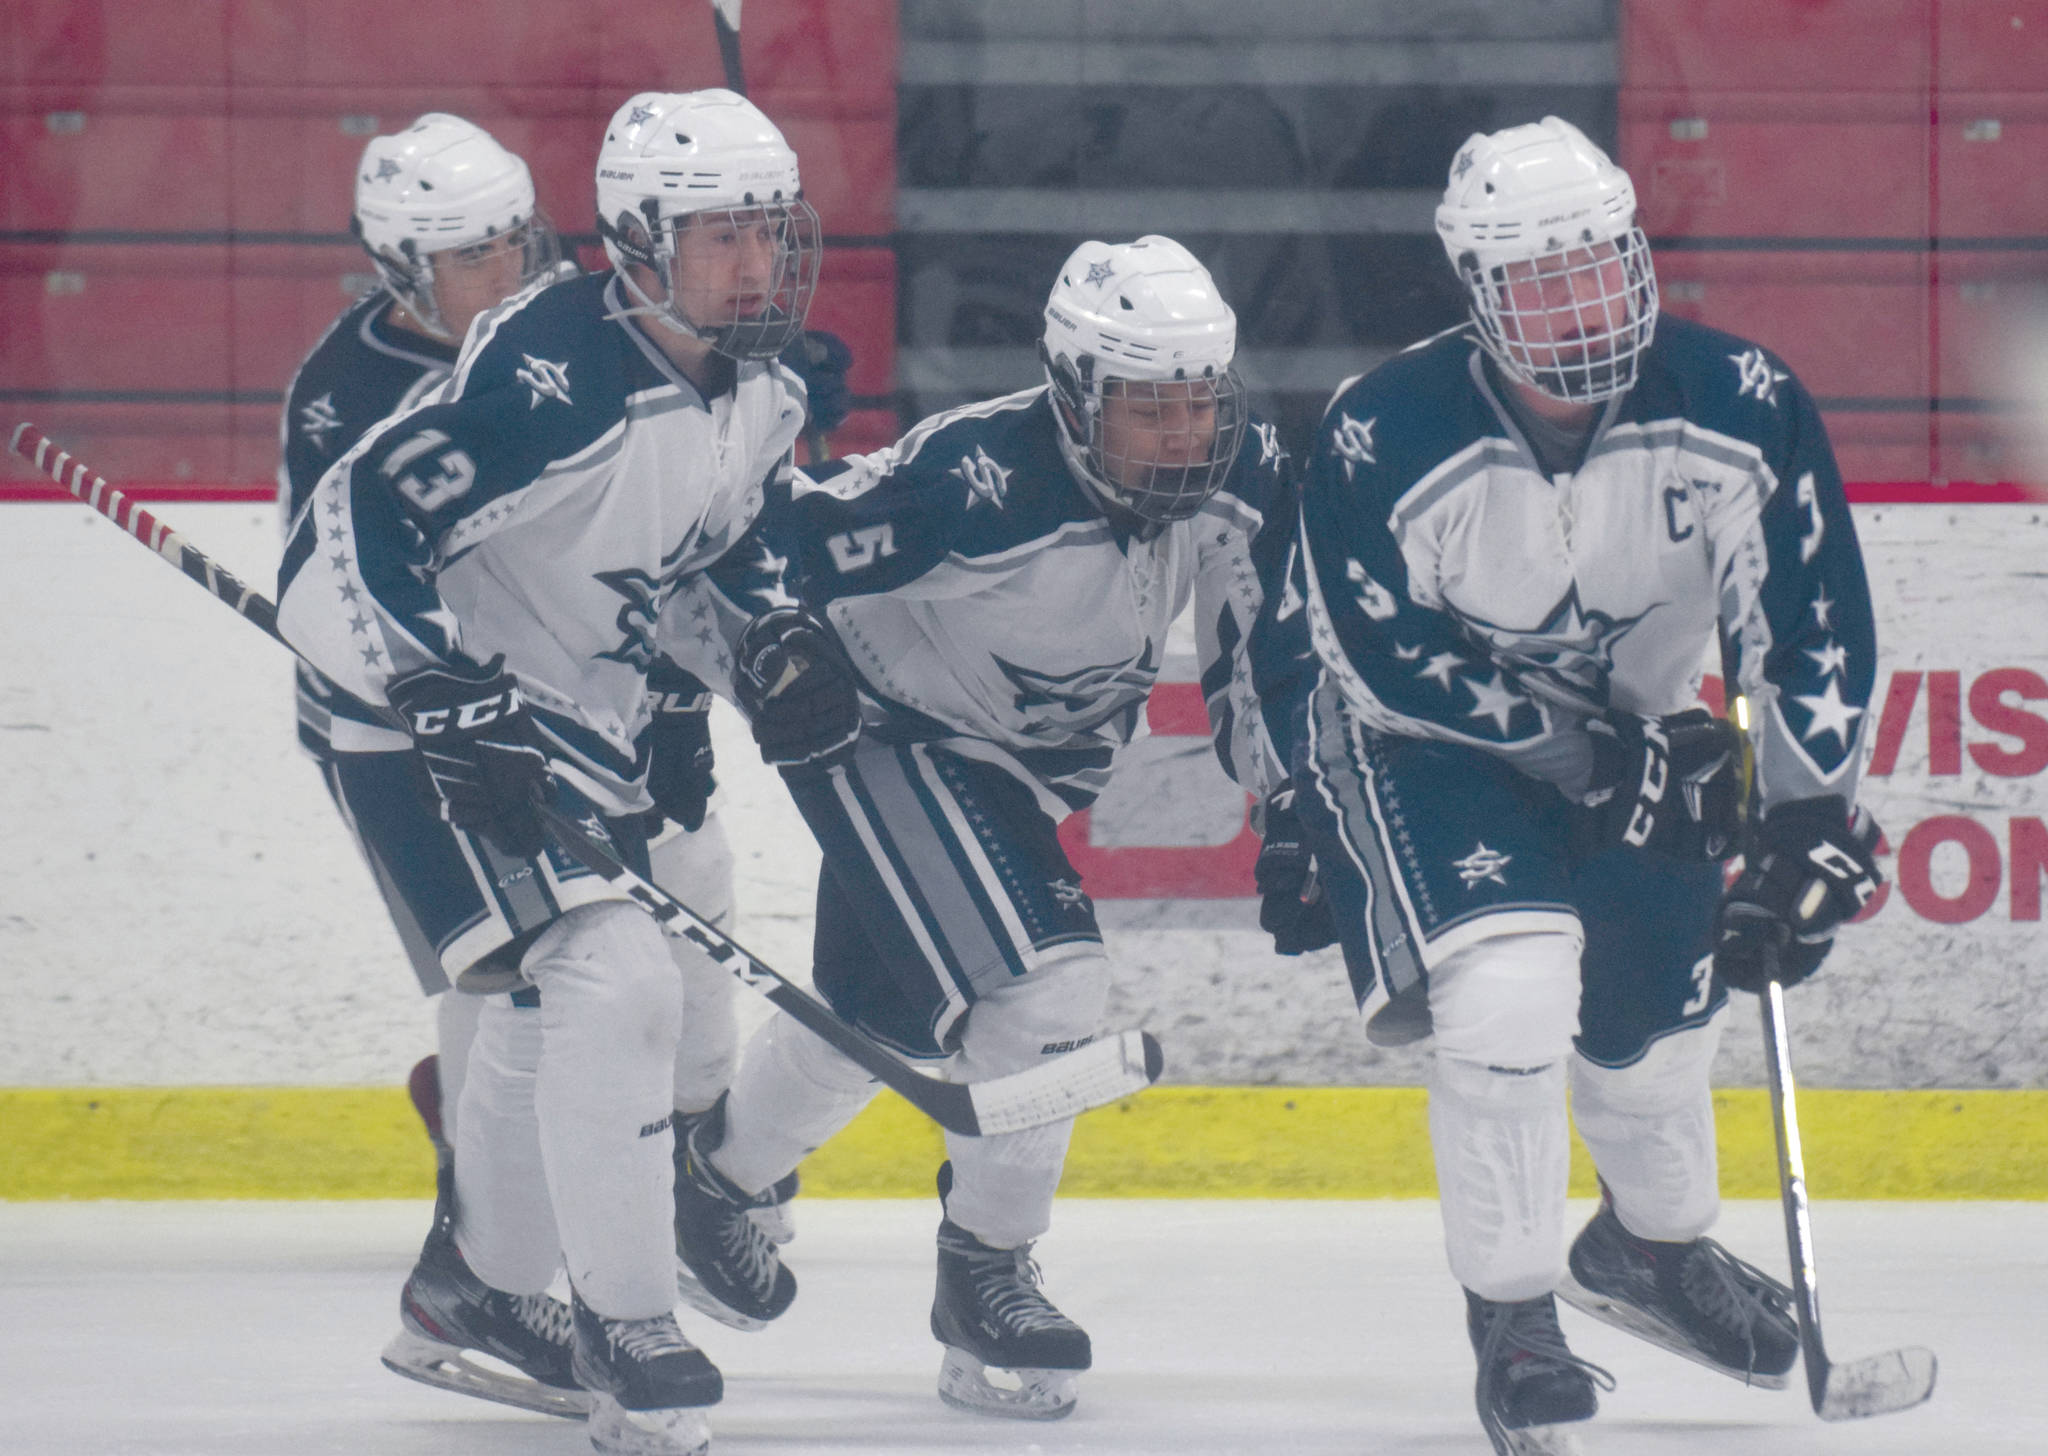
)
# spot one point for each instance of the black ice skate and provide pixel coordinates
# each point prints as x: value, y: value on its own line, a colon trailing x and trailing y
x: 449, y: 1315
x: 770, y: 1207
x: 649, y: 1384
x: 1531, y: 1387
x: 728, y: 1267
x: 1695, y: 1299
x: 989, y: 1312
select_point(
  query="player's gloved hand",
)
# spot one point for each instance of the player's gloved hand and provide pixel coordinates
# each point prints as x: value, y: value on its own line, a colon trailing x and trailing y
x: 820, y: 360
x: 1292, y: 906
x: 480, y: 747
x: 679, y: 738
x: 1670, y: 784
x: 797, y: 689
x: 1810, y: 869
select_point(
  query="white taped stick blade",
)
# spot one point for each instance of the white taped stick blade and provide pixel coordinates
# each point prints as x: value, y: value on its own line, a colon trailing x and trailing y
x: 1099, y: 1073
x: 1877, y: 1385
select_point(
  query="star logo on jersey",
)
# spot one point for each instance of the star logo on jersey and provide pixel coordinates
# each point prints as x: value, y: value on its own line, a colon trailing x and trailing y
x: 1754, y: 375
x: 1081, y: 701
x: 776, y: 569
x: 1828, y: 714
x: 1496, y: 700
x: 1099, y: 274
x: 1832, y: 659
x: 644, y: 597
x: 1483, y: 864
x: 1270, y: 448
x: 546, y: 378
x: 1069, y: 895
x: 1353, y: 441
x: 319, y: 419
x: 1572, y: 646
x: 986, y: 480
x: 386, y: 169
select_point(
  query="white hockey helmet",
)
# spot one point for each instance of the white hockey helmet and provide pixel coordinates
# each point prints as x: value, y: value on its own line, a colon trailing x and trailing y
x: 1542, y: 202
x: 676, y: 160
x: 442, y: 184
x: 1143, y: 321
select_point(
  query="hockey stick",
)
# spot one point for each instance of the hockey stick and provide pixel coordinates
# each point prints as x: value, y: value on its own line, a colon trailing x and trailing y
x: 1071, y: 1083
x: 1876, y: 1385
x: 725, y: 24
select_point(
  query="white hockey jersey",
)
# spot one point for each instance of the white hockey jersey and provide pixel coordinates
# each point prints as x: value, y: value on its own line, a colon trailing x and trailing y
x: 545, y: 504
x: 986, y: 600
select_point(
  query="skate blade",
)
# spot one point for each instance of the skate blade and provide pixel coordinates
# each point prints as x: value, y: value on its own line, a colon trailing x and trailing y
x: 616, y: 1431
x: 1625, y: 1316
x: 695, y: 1295
x: 1023, y: 1394
x: 1542, y: 1441
x: 446, y: 1367
x: 1877, y: 1385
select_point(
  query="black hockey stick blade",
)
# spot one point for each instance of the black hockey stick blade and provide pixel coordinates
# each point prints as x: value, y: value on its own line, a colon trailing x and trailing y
x: 1063, y: 1087
x: 1877, y: 1384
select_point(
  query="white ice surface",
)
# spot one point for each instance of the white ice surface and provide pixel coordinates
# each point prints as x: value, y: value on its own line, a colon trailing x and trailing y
x: 1318, y: 1328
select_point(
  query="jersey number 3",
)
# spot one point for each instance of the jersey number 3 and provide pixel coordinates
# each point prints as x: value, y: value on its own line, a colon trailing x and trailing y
x: 452, y: 471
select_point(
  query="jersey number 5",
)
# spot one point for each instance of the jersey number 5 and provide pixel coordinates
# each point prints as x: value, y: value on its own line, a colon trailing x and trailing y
x: 453, y: 472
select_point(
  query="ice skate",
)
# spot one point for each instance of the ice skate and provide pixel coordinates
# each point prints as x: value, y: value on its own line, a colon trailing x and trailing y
x: 452, y: 1318
x: 1009, y: 1350
x: 770, y: 1207
x: 648, y: 1384
x: 1695, y: 1299
x: 1532, y: 1389
x: 727, y: 1267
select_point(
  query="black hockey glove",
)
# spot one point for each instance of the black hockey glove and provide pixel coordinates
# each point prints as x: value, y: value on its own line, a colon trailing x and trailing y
x: 1671, y: 784
x: 471, y: 728
x: 1810, y: 869
x: 1292, y: 906
x: 797, y: 689
x: 679, y: 738
x: 820, y: 360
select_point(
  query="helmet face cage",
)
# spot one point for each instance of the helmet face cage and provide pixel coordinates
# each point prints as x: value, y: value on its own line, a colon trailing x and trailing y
x: 409, y: 276
x: 1138, y: 443
x: 755, y: 321
x: 1572, y: 323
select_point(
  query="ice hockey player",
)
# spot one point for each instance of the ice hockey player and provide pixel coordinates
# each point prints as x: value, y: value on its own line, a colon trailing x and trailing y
x: 998, y: 585
x: 1519, y: 542
x: 494, y: 563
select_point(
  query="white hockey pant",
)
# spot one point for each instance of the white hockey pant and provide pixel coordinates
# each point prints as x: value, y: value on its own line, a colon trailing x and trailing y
x: 1003, y: 1185
x: 697, y: 869
x: 1505, y: 1011
x: 1650, y: 1129
x: 566, y: 1148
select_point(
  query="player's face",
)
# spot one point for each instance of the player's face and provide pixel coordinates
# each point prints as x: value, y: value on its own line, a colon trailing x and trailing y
x: 1149, y: 428
x: 470, y: 279
x: 1568, y: 307
x: 728, y: 266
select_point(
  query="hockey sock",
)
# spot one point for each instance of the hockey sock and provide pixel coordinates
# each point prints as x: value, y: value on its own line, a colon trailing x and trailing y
x: 611, y: 1017
x: 505, y: 1225
x: 1650, y: 1129
x: 791, y: 1094
x: 1503, y: 1162
x: 455, y: 1018
x: 698, y: 869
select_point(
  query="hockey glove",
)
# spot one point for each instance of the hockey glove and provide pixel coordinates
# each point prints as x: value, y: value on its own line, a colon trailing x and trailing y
x: 797, y: 689
x: 679, y: 739
x: 1810, y: 870
x: 821, y: 360
x: 1671, y: 784
x: 471, y: 728
x: 1292, y: 907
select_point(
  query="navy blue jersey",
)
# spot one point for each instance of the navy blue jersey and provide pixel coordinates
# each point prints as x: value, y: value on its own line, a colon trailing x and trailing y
x: 1451, y: 589
x: 985, y: 598
x: 545, y: 503
x: 363, y: 369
